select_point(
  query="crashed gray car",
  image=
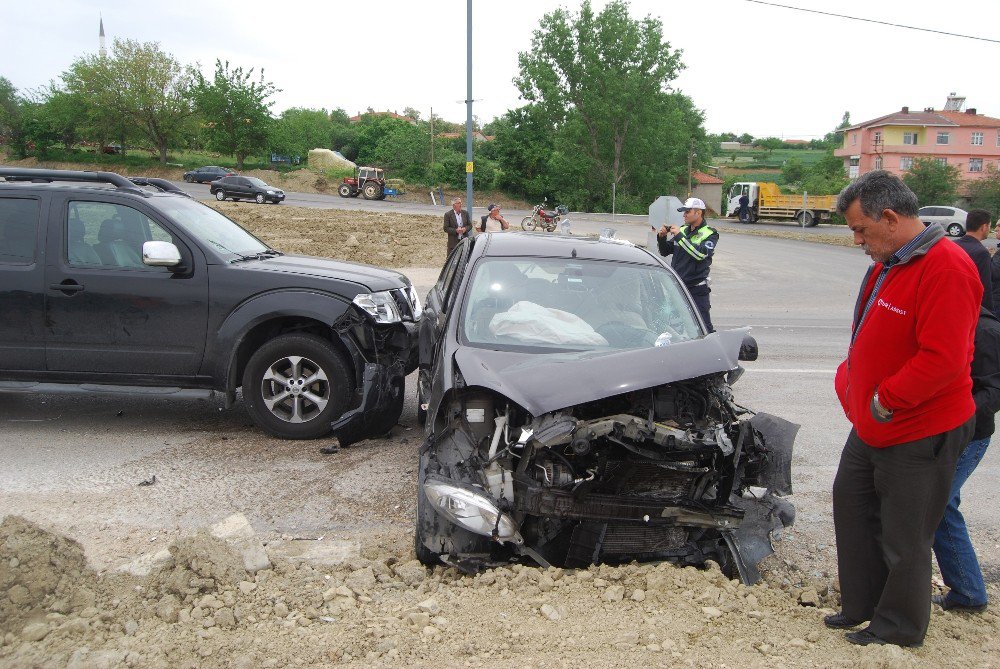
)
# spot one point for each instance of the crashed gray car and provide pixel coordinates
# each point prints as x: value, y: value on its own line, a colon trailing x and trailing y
x: 576, y: 412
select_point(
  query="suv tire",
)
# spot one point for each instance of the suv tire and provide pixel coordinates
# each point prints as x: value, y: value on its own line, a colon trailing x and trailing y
x: 220, y: 195
x: 309, y: 379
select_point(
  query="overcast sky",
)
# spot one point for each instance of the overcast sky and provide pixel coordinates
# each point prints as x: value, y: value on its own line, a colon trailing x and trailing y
x: 751, y: 68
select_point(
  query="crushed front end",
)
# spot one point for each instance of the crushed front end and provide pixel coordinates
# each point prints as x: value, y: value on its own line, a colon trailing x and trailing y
x: 676, y: 472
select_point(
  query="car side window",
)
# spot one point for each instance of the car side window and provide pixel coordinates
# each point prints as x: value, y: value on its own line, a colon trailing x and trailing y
x: 109, y: 236
x: 447, y: 272
x: 18, y: 230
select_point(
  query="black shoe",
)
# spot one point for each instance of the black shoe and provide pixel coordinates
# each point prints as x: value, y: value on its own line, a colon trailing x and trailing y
x: 865, y: 637
x: 839, y: 621
x: 948, y: 605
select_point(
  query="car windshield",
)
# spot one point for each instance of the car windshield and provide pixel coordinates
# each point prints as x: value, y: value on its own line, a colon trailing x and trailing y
x: 257, y: 182
x: 563, y: 304
x: 211, y: 227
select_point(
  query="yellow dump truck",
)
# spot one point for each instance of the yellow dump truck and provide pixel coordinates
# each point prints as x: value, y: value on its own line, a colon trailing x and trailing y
x: 767, y: 202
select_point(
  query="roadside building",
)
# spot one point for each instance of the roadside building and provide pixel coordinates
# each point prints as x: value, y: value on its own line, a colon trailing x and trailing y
x: 954, y: 135
x: 709, y: 189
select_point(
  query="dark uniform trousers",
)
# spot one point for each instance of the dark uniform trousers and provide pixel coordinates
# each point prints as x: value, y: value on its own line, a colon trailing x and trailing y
x: 700, y: 295
x: 887, y: 503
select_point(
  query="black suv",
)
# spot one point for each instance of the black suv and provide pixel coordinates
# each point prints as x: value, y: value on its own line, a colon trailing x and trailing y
x: 111, y: 284
x: 245, y: 188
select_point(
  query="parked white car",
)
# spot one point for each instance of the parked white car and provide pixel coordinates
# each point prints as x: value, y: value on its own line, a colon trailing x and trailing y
x: 952, y: 219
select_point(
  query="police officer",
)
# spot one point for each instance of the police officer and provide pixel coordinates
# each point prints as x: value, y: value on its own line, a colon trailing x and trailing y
x: 692, y: 246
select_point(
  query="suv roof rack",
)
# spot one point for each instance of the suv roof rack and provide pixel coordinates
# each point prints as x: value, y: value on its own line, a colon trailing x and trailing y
x: 130, y: 184
x: 162, y: 184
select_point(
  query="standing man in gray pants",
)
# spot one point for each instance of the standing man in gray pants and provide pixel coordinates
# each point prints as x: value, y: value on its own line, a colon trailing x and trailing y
x: 907, y: 390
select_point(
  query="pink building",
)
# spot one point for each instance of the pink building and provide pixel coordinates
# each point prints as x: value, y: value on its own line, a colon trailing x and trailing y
x: 965, y: 139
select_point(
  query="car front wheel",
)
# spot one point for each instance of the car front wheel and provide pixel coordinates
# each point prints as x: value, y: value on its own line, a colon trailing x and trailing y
x: 259, y: 198
x: 220, y: 195
x: 295, y: 385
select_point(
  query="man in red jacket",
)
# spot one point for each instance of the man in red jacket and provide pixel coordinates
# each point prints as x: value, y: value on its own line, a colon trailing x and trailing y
x: 907, y: 390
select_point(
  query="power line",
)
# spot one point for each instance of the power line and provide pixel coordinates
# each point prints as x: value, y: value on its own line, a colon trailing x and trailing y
x: 884, y: 23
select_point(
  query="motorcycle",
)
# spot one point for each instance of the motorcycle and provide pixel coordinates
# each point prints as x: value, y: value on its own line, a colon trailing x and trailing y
x: 546, y: 220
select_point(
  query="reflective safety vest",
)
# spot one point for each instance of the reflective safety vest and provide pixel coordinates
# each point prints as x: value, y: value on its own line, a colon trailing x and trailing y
x: 695, y: 260
x: 690, y: 243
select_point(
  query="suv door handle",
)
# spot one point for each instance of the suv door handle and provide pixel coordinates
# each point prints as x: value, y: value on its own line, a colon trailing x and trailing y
x: 67, y: 286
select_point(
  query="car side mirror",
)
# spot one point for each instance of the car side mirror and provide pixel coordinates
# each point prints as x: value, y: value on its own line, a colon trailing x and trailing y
x: 160, y: 254
x: 748, y: 349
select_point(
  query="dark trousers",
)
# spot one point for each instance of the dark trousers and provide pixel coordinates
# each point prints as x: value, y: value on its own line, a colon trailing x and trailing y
x: 887, y: 503
x: 700, y: 295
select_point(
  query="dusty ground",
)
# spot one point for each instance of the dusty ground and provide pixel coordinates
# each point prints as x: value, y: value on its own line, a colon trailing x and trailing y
x: 63, y: 602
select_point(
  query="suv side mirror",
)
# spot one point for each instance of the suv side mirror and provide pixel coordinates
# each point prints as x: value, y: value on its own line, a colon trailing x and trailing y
x: 748, y: 349
x: 160, y: 254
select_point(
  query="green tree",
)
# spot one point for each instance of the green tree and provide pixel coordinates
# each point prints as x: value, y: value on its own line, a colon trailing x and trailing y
x: 826, y: 176
x: 745, y: 138
x: 235, y: 109
x: 138, y: 86
x: 522, y: 148
x: 12, y: 118
x: 933, y: 182
x: 67, y: 113
x: 399, y: 146
x: 298, y: 130
x: 835, y: 137
x: 793, y: 171
x: 600, y: 81
x: 769, y: 144
x: 985, y: 193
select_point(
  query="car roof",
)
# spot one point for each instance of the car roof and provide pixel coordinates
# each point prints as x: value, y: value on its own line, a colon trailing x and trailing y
x: 506, y: 244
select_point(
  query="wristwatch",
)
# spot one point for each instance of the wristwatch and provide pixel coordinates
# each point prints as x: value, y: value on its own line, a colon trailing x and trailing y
x: 879, y: 412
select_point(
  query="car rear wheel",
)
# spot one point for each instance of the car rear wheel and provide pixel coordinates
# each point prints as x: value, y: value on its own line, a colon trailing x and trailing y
x: 344, y: 191
x: 220, y: 195
x: 188, y: 178
x: 260, y: 198
x: 295, y: 385
x: 955, y: 230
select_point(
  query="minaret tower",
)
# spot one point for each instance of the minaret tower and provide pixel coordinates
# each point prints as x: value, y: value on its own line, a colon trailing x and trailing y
x: 104, y: 51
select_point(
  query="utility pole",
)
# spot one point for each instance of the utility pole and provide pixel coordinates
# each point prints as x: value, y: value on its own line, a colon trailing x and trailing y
x: 468, y: 112
x: 432, y: 141
x: 690, y: 163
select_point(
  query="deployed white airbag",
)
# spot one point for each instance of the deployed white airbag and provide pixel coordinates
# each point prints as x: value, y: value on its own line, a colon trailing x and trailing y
x: 534, y: 324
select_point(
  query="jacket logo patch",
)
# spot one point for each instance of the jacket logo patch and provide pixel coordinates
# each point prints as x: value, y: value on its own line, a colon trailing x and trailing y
x: 709, y: 245
x: 891, y: 307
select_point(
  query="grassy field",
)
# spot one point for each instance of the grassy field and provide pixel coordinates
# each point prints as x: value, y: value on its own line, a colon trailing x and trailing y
x: 761, y: 159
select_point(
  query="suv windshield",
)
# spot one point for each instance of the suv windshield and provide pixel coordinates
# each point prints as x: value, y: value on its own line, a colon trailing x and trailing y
x: 569, y: 304
x: 211, y: 227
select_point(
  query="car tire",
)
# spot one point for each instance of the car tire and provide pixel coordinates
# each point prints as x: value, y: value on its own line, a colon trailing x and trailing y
x: 296, y: 358
x: 955, y: 230
x: 188, y: 178
x: 220, y: 195
x: 344, y: 191
x: 260, y: 199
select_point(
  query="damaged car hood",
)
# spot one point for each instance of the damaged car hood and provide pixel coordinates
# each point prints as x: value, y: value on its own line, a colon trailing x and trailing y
x: 548, y: 382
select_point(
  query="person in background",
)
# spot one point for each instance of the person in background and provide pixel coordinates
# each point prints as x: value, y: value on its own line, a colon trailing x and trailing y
x: 906, y: 388
x: 953, y: 549
x: 977, y: 229
x: 493, y: 221
x: 692, y: 246
x: 744, y: 207
x: 456, y: 223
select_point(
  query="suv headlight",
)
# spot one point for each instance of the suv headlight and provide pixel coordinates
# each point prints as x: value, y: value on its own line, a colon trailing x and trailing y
x: 415, y: 303
x: 380, y: 306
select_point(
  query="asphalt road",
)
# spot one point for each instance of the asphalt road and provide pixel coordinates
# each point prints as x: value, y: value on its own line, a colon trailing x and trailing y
x: 797, y: 296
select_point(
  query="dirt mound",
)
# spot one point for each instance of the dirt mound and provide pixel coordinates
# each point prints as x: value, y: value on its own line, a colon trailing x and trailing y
x: 378, y: 238
x: 202, y: 609
x: 39, y: 571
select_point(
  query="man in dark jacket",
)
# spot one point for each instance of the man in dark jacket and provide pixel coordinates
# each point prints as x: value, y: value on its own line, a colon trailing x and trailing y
x: 457, y: 223
x: 955, y: 555
x: 692, y: 246
x: 977, y: 229
x: 906, y: 387
x: 995, y: 277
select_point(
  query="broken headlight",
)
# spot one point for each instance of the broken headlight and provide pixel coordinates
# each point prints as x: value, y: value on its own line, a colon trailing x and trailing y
x: 381, y: 306
x: 471, y: 511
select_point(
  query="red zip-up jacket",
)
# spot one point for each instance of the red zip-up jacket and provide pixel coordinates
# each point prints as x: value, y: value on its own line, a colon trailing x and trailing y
x: 914, y: 345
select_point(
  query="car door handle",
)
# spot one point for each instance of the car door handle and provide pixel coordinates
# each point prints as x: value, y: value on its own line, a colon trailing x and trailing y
x: 67, y: 286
